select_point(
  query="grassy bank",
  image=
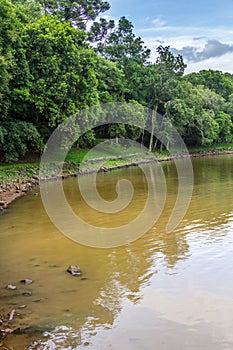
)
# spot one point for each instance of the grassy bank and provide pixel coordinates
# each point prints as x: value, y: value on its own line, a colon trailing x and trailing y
x: 113, y: 156
x: 17, y: 179
x: 221, y: 148
x: 90, y: 159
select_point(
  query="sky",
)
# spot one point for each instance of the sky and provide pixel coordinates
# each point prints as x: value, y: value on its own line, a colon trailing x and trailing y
x: 200, y: 30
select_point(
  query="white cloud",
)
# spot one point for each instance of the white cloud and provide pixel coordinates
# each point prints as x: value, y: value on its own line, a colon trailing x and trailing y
x: 212, y: 48
x: 223, y: 63
x: 198, y: 32
x: 159, y: 22
x: 204, y: 47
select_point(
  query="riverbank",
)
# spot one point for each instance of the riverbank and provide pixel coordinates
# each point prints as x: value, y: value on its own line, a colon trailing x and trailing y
x: 19, y: 179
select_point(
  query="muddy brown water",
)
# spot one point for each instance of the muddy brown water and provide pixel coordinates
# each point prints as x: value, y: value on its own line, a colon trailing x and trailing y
x: 164, y: 291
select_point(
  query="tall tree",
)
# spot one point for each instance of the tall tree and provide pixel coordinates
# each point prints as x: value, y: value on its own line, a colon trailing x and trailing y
x: 13, y: 64
x: 4, y: 86
x: 162, y: 84
x: 78, y: 12
x: 196, y: 113
x: 82, y: 14
x: 219, y: 82
x: 225, y: 127
x: 122, y: 44
x: 28, y: 10
x: 131, y: 55
x: 16, y: 137
x: 63, y: 80
x: 111, y: 80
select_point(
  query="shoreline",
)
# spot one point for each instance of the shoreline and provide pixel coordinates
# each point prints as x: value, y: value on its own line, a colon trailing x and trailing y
x: 13, y: 190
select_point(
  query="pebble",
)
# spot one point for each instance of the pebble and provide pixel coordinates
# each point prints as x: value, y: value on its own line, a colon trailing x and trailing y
x: 11, y: 287
x: 74, y: 270
x: 26, y: 281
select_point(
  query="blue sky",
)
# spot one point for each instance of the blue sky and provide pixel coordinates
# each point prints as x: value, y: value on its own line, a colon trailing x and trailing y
x: 202, y: 31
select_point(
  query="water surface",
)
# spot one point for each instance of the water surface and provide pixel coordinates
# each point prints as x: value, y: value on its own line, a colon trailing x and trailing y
x: 164, y: 291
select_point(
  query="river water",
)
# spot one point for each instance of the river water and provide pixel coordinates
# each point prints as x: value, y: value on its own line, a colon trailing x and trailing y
x: 166, y: 291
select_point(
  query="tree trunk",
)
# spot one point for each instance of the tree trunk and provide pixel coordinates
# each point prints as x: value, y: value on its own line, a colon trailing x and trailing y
x: 202, y: 138
x: 155, y: 144
x: 153, y: 119
x: 142, y: 139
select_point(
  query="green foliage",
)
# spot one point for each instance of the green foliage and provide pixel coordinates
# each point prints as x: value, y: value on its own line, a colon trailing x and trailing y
x: 110, y: 80
x: 9, y: 26
x: 48, y: 72
x: 14, y: 67
x: 116, y: 131
x: 163, y: 79
x: 132, y: 116
x: 82, y: 15
x: 99, y: 30
x: 225, y: 127
x: 122, y: 44
x: 4, y: 87
x: 162, y: 85
x: 228, y: 106
x: 174, y: 64
x: 87, y: 140
x: 131, y: 55
x: 28, y: 9
x: 136, y: 75
x: 220, y: 83
x: 194, y: 113
x: 62, y: 71
x: 79, y: 12
x: 17, y: 138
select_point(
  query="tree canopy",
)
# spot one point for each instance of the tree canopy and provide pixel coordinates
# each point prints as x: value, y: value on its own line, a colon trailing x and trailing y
x: 60, y: 57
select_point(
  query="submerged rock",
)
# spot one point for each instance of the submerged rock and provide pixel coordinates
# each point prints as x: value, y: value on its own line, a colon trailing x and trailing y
x: 74, y: 270
x: 3, y: 204
x: 35, y: 177
x: 4, y: 332
x: 11, y: 287
x: 22, y: 329
x: 26, y: 281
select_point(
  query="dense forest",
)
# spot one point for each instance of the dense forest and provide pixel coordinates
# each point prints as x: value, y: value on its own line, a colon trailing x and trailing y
x: 60, y: 57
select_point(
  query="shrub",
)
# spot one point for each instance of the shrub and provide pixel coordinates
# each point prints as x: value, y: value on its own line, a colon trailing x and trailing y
x: 17, y: 138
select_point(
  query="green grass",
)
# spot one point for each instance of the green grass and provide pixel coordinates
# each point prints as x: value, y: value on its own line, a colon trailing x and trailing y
x: 21, y: 171
x: 218, y: 147
x: 101, y: 151
x: 161, y: 154
x: 13, y: 172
